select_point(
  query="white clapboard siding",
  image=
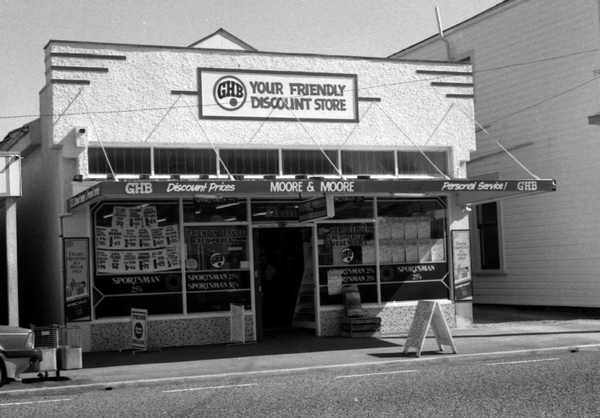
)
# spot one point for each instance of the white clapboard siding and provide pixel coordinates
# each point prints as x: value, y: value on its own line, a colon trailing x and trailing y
x: 551, y: 242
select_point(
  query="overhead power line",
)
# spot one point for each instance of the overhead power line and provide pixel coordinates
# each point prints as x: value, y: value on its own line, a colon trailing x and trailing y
x: 162, y: 108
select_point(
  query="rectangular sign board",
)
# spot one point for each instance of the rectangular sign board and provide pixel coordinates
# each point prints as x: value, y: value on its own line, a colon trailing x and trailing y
x: 461, y: 257
x: 77, y: 279
x: 277, y: 95
x: 315, y: 209
x: 139, y: 334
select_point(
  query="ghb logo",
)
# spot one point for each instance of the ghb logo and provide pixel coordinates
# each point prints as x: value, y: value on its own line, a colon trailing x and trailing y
x: 217, y: 260
x: 230, y: 93
x: 347, y: 255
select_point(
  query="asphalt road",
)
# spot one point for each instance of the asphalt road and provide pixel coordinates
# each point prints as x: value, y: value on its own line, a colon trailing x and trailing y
x: 563, y: 385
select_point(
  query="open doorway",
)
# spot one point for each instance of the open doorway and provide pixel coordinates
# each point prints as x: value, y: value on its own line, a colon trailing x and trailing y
x: 284, y: 269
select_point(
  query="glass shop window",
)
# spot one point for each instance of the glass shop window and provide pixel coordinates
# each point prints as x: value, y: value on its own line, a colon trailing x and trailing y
x: 184, y: 161
x: 250, y: 161
x: 309, y: 162
x: 137, y: 259
x: 217, y: 267
x: 353, y: 207
x: 414, y: 162
x: 122, y: 160
x: 346, y: 257
x: 412, y: 249
x: 368, y: 162
x: 215, y: 210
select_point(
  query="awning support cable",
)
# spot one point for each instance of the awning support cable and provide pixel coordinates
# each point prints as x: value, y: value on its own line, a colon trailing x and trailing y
x: 163, y: 118
x: 68, y: 106
x: 439, y: 124
x: 356, y: 125
x: 99, y: 138
x: 498, y: 143
x: 412, y: 142
x: 210, y: 142
x: 260, y: 127
x: 315, y: 142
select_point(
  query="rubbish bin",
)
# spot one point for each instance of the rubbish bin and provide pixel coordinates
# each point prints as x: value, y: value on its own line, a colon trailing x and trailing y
x: 46, y: 340
x: 69, y: 348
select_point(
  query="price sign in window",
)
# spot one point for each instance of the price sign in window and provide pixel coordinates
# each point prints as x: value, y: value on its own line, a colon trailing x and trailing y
x: 216, y: 248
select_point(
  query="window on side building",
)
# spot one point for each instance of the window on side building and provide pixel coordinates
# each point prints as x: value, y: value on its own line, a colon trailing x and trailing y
x: 488, y: 245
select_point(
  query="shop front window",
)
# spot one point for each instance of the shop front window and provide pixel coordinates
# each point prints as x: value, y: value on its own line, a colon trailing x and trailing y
x: 412, y: 249
x: 346, y: 257
x: 215, y: 210
x: 137, y: 259
x: 217, y: 267
x: 351, y: 207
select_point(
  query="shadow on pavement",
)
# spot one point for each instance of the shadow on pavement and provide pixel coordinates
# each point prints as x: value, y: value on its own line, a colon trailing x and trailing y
x: 268, y: 347
x: 496, y: 314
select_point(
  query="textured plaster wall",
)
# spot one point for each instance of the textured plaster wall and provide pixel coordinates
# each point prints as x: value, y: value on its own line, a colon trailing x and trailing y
x: 132, y: 103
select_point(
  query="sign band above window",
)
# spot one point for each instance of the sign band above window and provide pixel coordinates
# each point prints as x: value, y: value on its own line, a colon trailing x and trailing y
x: 228, y: 188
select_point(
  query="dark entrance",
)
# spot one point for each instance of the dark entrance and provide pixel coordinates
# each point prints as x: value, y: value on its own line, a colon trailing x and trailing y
x: 281, y: 268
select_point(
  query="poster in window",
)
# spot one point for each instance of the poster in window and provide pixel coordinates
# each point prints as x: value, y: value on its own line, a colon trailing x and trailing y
x: 410, y: 228
x: 398, y: 229
x: 77, y: 279
x: 136, y: 243
x: 461, y: 257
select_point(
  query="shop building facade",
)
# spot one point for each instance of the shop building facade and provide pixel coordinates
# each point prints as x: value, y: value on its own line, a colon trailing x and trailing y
x: 535, y: 66
x: 185, y: 180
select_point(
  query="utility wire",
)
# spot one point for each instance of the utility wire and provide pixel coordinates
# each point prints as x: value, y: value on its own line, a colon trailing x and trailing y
x: 362, y: 88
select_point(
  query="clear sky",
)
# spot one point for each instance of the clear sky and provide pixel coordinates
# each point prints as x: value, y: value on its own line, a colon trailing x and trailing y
x: 369, y: 28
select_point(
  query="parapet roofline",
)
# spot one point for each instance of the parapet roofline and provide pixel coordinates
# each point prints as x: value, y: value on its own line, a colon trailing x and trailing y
x: 222, y: 36
x: 267, y: 53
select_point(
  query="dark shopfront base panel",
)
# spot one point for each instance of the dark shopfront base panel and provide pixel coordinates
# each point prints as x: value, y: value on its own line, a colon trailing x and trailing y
x: 217, y: 301
x: 167, y: 304
x: 163, y: 304
x: 391, y: 292
x: 407, y: 291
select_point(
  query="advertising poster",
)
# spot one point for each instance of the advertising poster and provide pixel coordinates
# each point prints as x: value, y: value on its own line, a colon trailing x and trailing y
x: 135, y: 243
x: 461, y: 253
x: 139, y: 334
x: 77, y: 279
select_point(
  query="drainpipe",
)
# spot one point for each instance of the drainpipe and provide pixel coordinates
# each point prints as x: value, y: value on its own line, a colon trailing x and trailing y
x: 439, y: 22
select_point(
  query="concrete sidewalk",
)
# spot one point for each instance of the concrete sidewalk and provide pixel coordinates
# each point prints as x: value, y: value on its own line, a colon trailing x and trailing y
x: 499, y: 332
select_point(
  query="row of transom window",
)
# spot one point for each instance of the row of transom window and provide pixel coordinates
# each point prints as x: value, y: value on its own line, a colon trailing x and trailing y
x: 193, y: 161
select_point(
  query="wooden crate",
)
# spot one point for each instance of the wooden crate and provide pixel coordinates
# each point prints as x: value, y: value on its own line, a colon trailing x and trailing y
x: 361, y: 327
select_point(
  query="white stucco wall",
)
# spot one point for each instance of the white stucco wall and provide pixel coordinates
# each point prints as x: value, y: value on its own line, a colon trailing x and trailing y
x: 139, y: 88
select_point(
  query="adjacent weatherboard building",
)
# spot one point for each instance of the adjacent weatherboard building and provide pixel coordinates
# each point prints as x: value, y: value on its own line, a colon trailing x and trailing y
x: 194, y: 182
x: 535, y: 66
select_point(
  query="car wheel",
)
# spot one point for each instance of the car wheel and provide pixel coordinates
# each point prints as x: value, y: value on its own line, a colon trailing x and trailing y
x: 2, y: 373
